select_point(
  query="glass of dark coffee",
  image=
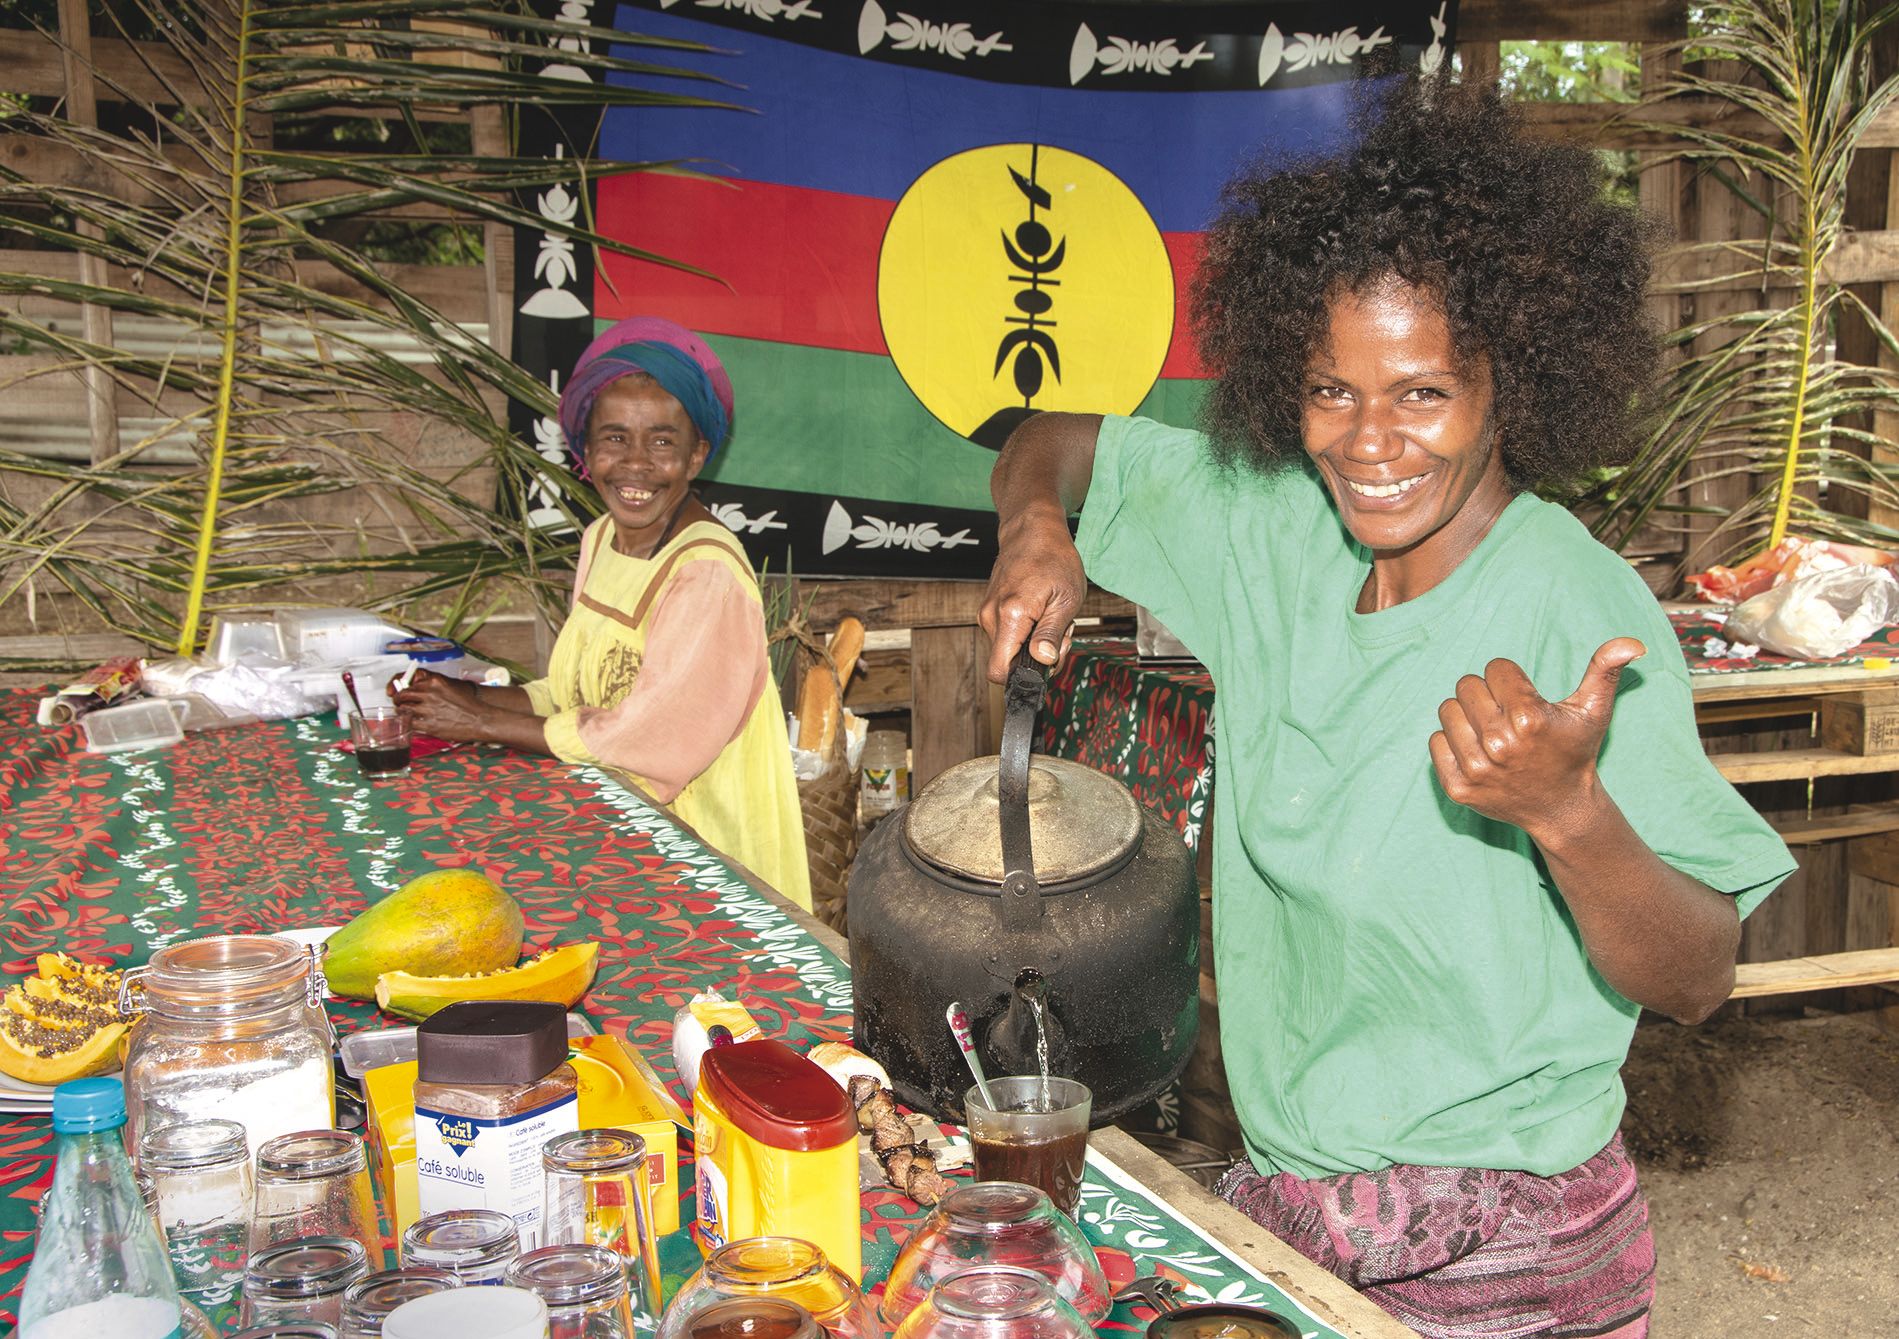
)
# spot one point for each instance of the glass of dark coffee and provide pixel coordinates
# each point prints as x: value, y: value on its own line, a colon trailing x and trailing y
x: 381, y: 736
x: 1037, y: 1133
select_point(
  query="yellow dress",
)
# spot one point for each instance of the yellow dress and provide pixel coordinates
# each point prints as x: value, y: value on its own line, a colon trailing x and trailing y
x: 660, y: 672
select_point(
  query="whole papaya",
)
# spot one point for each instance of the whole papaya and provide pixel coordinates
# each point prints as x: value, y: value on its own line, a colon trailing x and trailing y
x: 448, y: 922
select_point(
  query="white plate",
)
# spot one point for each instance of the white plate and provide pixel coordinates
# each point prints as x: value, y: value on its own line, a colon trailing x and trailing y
x: 13, y: 1089
x: 308, y: 935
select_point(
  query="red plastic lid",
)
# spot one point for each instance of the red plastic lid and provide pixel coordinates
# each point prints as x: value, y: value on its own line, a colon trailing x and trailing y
x: 777, y: 1096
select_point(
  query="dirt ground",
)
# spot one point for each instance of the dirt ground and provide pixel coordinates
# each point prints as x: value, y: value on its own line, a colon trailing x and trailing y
x: 1769, y: 1148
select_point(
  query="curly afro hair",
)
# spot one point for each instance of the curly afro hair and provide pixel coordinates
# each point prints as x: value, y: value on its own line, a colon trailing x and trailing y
x: 1538, y: 270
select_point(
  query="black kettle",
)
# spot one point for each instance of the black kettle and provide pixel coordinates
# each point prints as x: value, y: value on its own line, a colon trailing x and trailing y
x: 1042, y: 895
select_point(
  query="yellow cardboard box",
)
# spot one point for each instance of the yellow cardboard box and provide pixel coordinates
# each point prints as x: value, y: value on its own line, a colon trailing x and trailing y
x: 618, y: 1089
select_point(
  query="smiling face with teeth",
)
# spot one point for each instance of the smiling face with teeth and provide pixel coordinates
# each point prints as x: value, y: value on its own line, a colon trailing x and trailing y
x: 642, y: 454
x: 1398, y: 421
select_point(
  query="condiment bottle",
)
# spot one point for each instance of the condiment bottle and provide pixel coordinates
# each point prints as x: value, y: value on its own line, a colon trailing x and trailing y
x: 775, y: 1152
x: 493, y: 1085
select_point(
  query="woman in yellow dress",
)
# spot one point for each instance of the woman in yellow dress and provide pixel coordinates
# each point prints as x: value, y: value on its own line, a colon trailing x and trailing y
x: 660, y: 671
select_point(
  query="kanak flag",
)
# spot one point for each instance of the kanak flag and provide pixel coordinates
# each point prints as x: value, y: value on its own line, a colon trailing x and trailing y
x: 936, y: 217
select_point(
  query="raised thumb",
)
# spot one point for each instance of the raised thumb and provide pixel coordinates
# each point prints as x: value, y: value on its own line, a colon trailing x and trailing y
x: 1595, y: 696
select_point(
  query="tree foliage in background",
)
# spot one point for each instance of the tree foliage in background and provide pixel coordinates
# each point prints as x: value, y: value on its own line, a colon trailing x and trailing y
x: 245, y: 249
x: 1762, y: 394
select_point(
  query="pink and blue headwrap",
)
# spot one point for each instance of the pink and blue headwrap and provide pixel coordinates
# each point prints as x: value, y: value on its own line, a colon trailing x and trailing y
x: 672, y: 355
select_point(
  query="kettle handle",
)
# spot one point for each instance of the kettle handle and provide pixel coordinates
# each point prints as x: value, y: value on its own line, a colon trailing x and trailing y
x: 1022, y: 698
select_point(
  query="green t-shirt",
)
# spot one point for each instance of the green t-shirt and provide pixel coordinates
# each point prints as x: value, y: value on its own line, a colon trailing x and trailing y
x: 1400, y: 981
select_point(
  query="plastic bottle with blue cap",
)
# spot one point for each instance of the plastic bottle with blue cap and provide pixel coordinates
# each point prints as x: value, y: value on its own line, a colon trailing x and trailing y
x: 99, y: 1269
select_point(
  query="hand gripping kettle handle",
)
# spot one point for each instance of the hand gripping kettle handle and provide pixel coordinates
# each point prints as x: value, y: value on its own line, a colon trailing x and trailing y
x: 1022, y: 698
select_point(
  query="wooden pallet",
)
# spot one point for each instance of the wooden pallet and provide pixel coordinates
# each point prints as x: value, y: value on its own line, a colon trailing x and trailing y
x: 1800, y: 764
x: 1828, y: 971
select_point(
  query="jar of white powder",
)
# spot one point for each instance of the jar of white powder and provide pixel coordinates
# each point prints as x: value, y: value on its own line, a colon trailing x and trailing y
x: 234, y: 1029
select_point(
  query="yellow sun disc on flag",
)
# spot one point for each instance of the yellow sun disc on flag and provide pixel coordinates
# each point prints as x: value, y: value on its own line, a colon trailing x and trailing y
x: 1023, y: 277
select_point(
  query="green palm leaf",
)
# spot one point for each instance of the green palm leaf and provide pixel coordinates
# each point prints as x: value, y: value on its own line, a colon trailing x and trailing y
x: 266, y: 355
x: 1762, y: 394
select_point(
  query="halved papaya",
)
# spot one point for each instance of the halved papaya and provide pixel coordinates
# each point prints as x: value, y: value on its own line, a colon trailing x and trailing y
x: 560, y: 974
x: 50, y: 1056
x: 62, y: 1024
x: 90, y: 976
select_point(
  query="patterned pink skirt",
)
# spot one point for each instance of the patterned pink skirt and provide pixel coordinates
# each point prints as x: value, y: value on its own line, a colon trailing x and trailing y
x: 1456, y: 1252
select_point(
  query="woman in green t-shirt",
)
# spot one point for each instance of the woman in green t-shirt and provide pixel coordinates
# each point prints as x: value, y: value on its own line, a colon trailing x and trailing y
x: 1466, y: 829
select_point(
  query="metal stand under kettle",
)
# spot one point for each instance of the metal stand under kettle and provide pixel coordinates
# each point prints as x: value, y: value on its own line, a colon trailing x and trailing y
x: 1042, y: 895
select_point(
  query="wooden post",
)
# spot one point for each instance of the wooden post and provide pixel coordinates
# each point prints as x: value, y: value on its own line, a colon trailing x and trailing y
x: 951, y: 709
x: 1482, y: 62
x: 82, y: 109
x: 490, y: 140
x: 1886, y: 421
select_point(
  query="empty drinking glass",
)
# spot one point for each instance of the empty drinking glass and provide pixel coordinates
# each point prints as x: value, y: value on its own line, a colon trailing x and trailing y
x: 994, y: 1302
x: 996, y: 1223
x: 475, y: 1245
x: 598, y: 1192
x: 307, y: 1330
x: 197, y: 1181
x: 303, y: 1280
x: 784, y: 1267
x: 315, y: 1184
x: 369, y: 1300
x: 754, y: 1318
x: 584, y: 1288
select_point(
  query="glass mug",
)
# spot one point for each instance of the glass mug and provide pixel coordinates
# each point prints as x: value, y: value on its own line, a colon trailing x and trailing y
x: 780, y: 1267
x: 994, y: 1302
x: 1037, y: 1134
x: 475, y: 1245
x: 368, y: 1301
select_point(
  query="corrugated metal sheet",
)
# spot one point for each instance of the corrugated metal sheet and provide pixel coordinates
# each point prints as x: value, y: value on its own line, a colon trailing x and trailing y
x: 66, y: 436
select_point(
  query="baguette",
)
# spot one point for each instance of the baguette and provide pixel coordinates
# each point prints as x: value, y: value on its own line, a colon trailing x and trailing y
x: 821, y: 702
x: 818, y: 697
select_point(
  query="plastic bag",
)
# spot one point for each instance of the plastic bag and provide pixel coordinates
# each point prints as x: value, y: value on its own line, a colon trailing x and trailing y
x: 257, y: 688
x: 1788, y: 560
x: 1819, y: 616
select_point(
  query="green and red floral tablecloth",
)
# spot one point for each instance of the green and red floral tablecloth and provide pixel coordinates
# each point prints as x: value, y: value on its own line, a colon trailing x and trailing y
x: 1148, y: 725
x: 1705, y: 646
x: 269, y: 827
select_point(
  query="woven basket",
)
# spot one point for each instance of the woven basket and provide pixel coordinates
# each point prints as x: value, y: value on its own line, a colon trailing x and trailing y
x: 829, y: 804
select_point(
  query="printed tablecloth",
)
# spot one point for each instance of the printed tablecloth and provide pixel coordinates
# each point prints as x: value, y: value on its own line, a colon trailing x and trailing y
x: 1150, y: 726
x: 1704, y: 644
x: 264, y: 828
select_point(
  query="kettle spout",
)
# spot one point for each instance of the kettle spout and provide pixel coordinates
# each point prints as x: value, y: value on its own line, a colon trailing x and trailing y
x: 1027, y: 1037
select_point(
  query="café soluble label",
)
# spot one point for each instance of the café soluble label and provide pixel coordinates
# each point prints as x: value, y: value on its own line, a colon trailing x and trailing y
x: 1023, y: 277
x: 462, y: 1162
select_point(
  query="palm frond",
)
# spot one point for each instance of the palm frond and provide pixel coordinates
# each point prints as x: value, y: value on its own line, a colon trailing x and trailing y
x: 1762, y: 393
x: 273, y: 354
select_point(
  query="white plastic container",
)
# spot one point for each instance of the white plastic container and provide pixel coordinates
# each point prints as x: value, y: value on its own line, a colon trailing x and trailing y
x: 232, y: 638
x: 317, y: 636
x: 497, y: 1312
x: 149, y: 723
x: 371, y: 674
